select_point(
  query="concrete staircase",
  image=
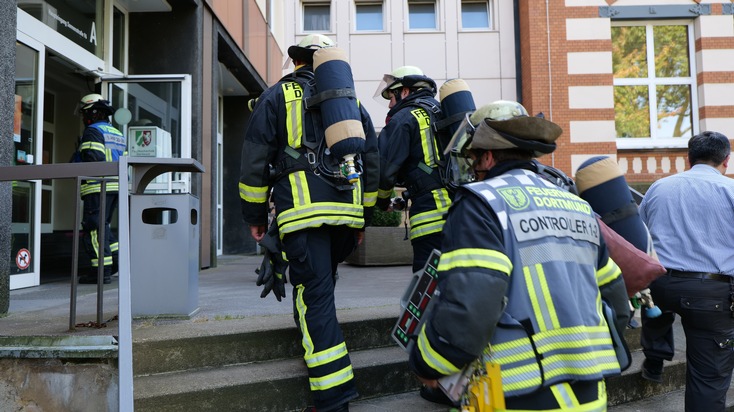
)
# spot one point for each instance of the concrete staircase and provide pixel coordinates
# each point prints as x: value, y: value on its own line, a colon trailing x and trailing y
x: 254, y: 364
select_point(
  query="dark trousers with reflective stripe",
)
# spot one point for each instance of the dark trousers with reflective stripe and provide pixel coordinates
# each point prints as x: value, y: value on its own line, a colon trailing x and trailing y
x: 313, y: 255
x: 703, y: 306
x: 90, y: 224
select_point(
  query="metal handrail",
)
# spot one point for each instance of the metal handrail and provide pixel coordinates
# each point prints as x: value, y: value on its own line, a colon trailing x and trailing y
x: 142, y: 171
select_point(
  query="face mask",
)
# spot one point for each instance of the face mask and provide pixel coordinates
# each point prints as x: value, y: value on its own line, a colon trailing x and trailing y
x: 460, y: 163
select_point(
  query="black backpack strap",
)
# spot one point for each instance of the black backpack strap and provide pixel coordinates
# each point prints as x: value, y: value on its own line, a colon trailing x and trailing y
x: 448, y: 121
x: 314, y: 101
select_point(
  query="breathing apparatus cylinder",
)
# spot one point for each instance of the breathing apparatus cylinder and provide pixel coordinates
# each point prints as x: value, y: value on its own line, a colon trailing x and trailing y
x: 601, y: 183
x: 340, y: 113
x: 456, y: 101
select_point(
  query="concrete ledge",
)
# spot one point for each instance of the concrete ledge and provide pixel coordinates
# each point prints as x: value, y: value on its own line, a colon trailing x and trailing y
x: 52, y: 347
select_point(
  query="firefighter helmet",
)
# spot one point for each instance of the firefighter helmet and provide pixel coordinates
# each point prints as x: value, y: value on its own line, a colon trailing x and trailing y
x: 304, y: 50
x: 95, y: 103
x: 411, y: 77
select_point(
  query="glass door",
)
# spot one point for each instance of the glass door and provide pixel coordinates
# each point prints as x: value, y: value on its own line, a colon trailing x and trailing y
x: 27, y: 143
x: 157, y: 122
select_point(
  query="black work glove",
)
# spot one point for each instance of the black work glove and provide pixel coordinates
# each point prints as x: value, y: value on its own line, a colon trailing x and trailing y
x: 271, y: 274
x: 270, y: 278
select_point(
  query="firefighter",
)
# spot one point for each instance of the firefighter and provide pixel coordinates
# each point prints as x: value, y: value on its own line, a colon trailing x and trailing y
x: 320, y: 216
x: 524, y: 276
x: 411, y: 156
x: 100, y: 142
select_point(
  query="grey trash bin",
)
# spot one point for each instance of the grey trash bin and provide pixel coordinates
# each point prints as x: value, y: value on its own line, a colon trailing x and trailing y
x: 164, y: 255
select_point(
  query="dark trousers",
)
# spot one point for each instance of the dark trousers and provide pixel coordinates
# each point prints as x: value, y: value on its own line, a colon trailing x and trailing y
x: 313, y: 255
x: 422, y: 248
x: 703, y: 306
x: 90, y: 224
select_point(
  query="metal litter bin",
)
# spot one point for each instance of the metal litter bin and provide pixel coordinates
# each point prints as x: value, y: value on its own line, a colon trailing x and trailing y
x: 164, y: 250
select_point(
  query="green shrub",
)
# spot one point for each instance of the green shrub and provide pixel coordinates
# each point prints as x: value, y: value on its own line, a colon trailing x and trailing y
x: 382, y: 218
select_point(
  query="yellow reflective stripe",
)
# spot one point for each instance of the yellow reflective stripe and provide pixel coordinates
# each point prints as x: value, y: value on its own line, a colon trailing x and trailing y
x: 357, y: 193
x: 353, y: 222
x: 92, y: 146
x: 320, y: 213
x: 564, y: 395
x: 600, y: 311
x: 384, y: 194
x: 114, y: 247
x: 579, y: 364
x: 540, y: 298
x: 471, y: 257
x: 608, y: 273
x: 511, y: 352
x: 426, y: 229
x: 253, y: 194
x: 301, y: 309
x: 527, y: 376
x: 324, y: 208
x: 599, y: 405
x: 326, y: 356
x: 427, y: 144
x: 293, y: 96
x: 331, y: 380
x: 106, y: 260
x: 431, y: 357
x: 572, y: 337
x: 370, y: 199
x: 299, y: 189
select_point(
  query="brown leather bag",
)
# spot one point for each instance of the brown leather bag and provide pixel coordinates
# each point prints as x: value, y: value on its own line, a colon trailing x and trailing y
x: 638, y: 268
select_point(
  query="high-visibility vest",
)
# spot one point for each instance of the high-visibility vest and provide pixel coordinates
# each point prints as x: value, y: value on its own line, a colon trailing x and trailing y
x: 552, y: 329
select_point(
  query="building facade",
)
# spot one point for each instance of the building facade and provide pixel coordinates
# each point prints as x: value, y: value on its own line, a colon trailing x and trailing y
x: 628, y: 79
x: 182, y: 70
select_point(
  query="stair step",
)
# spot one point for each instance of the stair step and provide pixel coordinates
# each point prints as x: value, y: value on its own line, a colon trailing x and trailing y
x: 671, y: 401
x: 239, y: 341
x: 280, y: 385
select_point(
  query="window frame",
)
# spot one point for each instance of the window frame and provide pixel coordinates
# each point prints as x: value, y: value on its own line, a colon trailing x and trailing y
x: 316, y: 3
x: 357, y: 4
x: 490, y: 16
x: 652, y: 81
x: 436, y: 16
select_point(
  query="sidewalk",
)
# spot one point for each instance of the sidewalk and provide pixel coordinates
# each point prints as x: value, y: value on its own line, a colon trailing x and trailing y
x: 225, y: 292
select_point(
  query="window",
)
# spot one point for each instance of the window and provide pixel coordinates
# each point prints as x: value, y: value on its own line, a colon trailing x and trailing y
x: 317, y: 17
x: 475, y: 14
x: 422, y: 15
x: 369, y: 16
x: 654, y: 82
x: 119, y: 28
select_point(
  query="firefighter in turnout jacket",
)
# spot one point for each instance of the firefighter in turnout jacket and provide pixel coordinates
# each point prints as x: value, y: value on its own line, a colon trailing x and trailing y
x: 100, y: 142
x: 525, y: 279
x: 320, y: 215
x: 410, y: 155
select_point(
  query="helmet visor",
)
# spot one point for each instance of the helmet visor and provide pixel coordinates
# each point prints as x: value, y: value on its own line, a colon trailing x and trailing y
x: 460, y: 161
x: 381, y: 93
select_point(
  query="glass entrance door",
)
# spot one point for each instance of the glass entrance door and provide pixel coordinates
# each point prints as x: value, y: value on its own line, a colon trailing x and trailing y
x: 157, y: 122
x: 27, y: 141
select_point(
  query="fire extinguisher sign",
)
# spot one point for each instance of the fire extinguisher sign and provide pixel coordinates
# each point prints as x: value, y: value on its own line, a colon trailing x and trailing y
x: 23, y: 259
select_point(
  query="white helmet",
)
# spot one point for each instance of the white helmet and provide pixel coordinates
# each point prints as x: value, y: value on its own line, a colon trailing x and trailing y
x: 304, y: 50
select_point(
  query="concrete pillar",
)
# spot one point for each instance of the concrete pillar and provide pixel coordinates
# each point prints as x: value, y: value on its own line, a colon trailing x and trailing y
x: 7, y: 87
